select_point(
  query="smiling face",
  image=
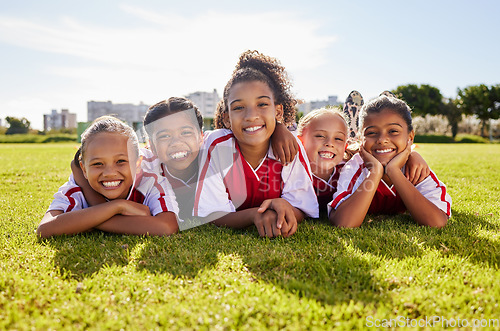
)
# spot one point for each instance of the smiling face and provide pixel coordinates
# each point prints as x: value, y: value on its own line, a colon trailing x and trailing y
x: 385, y: 134
x: 252, y: 113
x: 324, y: 139
x: 176, y: 141
x: 109, y: 165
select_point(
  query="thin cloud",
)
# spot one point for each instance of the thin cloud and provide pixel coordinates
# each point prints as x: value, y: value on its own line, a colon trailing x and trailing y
x: 159, y: 55
x: 169, y: 40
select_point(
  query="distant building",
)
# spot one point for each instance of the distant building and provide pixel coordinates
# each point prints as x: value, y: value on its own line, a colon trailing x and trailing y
x: 130, y: 113
x: 205, y: 101
x: 306, y: 107
x: 56, y: 121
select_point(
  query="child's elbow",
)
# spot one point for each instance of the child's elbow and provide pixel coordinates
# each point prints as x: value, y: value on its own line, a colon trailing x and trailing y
x: 168, y: 225
x: 341, y: 222
x: 42, y: 232
x: 440, y: 221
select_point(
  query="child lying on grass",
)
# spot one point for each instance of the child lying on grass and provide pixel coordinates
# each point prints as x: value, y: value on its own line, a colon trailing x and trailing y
x: 138, y: 202
x: 373, y: 181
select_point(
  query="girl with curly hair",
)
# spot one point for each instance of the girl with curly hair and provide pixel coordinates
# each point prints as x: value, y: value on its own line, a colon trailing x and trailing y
x: 241, y: 180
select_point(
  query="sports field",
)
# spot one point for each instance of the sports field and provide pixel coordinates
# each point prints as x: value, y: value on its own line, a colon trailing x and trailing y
x: 388, y: 273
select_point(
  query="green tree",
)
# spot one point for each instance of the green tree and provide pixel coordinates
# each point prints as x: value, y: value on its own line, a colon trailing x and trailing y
x: 452, y: 113
x: 17, y: 125
x: 482, y: 101
x: 423, y: 99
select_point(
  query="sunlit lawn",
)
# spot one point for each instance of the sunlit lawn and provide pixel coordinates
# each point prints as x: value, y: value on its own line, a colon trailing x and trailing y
x: 211, y: 278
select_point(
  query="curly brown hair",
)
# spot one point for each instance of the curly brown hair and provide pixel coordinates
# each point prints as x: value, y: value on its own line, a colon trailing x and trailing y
x: 254, y: 66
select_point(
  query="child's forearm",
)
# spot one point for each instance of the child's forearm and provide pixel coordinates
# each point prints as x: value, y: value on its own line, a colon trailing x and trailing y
x: 299, y: 214
x: 237, y: 220
x: 57, y: 223
x: 422, y: 210
x: 352, y: 211
x: 284, y: 144
x: 163, y: 224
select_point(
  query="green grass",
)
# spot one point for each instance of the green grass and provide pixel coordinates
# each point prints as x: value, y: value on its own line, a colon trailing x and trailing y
x: 34, y: 138
x: 212, y: 278
x: 460, y: 138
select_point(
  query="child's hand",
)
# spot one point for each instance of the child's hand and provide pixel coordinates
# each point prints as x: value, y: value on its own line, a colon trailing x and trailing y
x: 286, y: 221
x: 78, y: 176
x: 371, y: 162
x: 399, y: 160
x: 416, y: 168
x: 131, y: 208
x: 284, y: 144
x: 266, y: 224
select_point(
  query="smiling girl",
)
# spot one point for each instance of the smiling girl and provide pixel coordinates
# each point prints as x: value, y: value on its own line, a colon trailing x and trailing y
x: 324, y: 133
x: 241, y: 180
x: 373, y: 181
x: 137, y: 202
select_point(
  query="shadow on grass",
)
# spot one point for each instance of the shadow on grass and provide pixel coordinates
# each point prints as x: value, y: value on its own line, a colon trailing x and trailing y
x: 471, y: 236
x: 399, y: 237
x: 312, y: 263
x: 82, y: 255
x: 327, y: 264
x: 320, y: 262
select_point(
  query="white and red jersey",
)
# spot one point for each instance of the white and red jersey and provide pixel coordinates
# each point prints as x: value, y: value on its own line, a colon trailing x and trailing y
x: 227, y: 182
x: 184, y: 191
x: 69, y: 197
x: 386, y: 199
x: 325, y: 189
x: 149, y: 189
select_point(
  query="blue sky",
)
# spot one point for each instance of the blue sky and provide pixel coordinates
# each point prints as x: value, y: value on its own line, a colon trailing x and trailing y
x: 61, y: 54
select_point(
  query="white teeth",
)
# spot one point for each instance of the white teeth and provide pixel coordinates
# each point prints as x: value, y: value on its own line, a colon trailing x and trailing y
x: 327, y: 155
x: 178, y: 155
x: 111, y: 184
x: 380, y: 151
x: 253, y: 128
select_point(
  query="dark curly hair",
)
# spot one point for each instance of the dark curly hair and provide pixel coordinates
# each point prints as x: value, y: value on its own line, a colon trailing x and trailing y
x: 254, y: 66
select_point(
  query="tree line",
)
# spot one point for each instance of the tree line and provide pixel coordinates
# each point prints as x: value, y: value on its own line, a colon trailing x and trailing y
x: 480, y: 100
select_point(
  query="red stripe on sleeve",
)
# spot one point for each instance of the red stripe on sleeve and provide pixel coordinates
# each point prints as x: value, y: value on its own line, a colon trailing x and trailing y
x: 304, y: 163
x: 443, y: 194
x: 72, y: 201
x: 334, y: 203
x: 160, y: 189
x: 205, y: 169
